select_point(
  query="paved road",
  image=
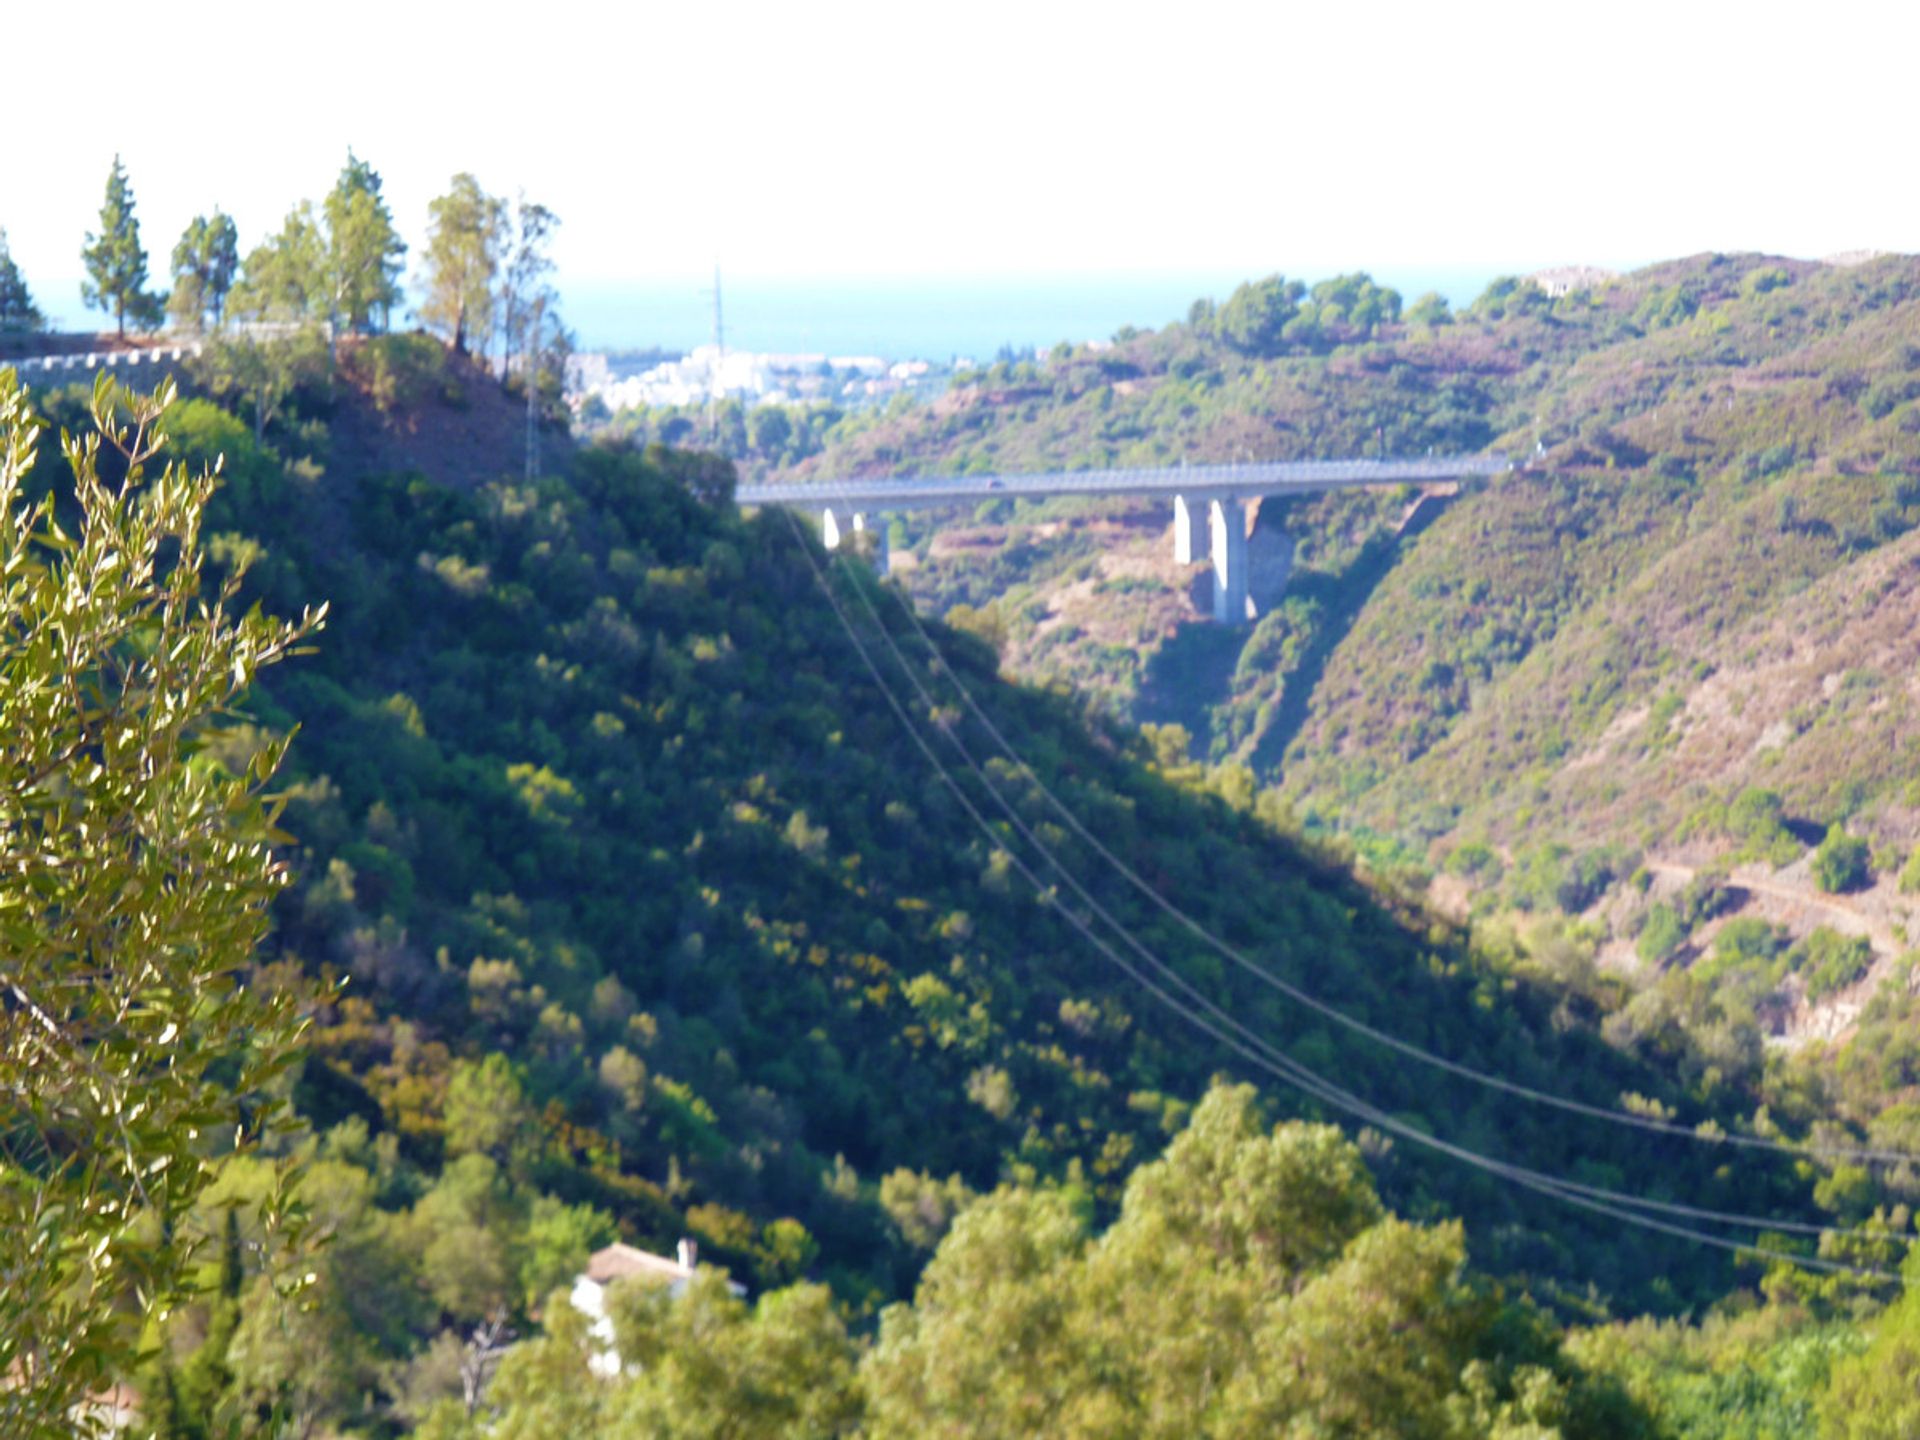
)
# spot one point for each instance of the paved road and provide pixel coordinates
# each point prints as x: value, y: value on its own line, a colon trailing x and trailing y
x: 1196, y: 482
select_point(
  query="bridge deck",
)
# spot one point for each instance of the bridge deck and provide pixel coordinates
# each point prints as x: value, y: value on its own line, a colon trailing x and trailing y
x: 1197, y: 482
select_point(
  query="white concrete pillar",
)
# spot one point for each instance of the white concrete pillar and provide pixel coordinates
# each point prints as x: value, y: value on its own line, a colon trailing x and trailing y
x: 1182, y: 531
x: 829, y: 530
x: 1228, y: 522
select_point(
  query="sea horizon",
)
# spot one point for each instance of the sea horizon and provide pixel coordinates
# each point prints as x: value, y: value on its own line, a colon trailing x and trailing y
x: 935, y: 318
x: 926, y: 318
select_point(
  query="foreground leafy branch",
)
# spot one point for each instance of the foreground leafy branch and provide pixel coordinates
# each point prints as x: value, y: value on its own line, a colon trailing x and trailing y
x: 135, y: 874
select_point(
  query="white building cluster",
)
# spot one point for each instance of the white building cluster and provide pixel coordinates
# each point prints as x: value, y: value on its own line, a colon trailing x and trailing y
x: 751, y: 378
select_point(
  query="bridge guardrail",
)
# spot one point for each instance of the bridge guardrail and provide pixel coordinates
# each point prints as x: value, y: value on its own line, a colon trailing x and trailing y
x: 102, y: 359
x: 1199, y: 481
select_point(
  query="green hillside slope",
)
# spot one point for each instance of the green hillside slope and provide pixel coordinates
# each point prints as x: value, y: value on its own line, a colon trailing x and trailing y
x: 655, y: 921
x: 588, y: 775
x: 589, y: 767
x: 1691, y: 591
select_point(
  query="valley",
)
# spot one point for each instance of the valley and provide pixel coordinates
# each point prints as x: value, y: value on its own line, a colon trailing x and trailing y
x: 659, y: 879
x: 868, y: 723
x: 1698, y: 584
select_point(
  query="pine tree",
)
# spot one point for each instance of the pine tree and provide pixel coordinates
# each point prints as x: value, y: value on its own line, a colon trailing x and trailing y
x: 364, y: 251
x: 116, y: 263
x: 17, y: 310
x: 284, y: 280
x: 205, y: 262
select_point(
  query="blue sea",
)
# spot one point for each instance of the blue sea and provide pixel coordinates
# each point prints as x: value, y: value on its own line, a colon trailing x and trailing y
x: 929, y: 319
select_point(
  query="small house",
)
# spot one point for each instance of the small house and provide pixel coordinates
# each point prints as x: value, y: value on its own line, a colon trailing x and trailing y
x: 621, y: 1262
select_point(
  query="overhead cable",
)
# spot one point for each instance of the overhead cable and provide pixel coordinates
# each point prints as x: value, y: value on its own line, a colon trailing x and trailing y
x: 1596, y: 1193
x: 1339, y: 1017
x: 1207, y: 1017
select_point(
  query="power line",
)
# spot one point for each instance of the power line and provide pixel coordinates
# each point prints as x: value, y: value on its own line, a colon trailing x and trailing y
x: 1340, y: 1017
x: 719, y: 357
x: 1277, y: 1063
x: 1134, y: 943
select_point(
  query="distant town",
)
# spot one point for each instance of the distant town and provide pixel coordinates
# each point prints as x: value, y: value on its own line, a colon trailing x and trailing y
x: 633, y: 380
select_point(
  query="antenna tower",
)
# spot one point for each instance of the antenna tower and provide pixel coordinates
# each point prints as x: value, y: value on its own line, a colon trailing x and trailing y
x: 719, y: 354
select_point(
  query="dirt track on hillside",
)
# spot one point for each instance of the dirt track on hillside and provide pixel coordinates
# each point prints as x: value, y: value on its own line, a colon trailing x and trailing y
x: 1848, y: 916
x: 1797, y: 904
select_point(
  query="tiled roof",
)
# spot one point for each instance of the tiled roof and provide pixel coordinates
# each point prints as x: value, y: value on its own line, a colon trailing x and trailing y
x: 618, y: 1261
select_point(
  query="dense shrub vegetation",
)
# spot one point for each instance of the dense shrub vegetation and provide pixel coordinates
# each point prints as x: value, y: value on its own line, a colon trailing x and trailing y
x: 1667, y: 648
x: 652, y: 921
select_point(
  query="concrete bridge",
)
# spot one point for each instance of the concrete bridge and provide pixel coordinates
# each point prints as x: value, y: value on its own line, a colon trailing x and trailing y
x: 1219, y: 492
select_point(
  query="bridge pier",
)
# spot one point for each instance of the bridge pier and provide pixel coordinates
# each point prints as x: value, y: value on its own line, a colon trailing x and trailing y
x: 1182, y: 531
x: 1228, y: 523
x: 1249, y: 568
x: 833, y: 537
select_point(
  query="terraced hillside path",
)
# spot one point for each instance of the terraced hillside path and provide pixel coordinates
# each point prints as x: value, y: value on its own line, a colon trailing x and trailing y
x: 1789, y: 897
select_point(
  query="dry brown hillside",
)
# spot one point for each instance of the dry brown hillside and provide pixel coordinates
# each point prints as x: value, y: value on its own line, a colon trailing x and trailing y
x: 432, y: 411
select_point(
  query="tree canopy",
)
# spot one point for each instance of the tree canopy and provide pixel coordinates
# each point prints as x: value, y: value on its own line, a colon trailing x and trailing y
x: 17, y: 310
x: 284, y: 280
x: 135, y: 1037
x: 1251, y: 1285
x: 364, y: 251
x: 206, y: 260
x: 467, y: 228
x: 527, y: 301
x: 116, y: 262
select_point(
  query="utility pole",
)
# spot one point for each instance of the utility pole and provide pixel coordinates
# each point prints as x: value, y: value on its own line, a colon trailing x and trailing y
x: 719, y: 356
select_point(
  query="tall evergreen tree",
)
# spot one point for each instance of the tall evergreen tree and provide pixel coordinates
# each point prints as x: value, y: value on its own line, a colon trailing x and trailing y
x: 17, y: 310
x: 364, y: 251
x: 463, y: 256
x: 116, y: 263
x: 205, y: 261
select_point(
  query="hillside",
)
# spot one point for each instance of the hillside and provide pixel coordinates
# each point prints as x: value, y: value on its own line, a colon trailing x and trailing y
x: 655, y: 922
x: 1694, y: 589
x: 590, y: 776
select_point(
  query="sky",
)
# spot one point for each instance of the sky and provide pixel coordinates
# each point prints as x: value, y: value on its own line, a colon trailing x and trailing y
x: 998, y: 147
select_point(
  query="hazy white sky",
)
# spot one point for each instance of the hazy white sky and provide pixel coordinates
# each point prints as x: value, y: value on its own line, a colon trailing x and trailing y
x: 988, y: 139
